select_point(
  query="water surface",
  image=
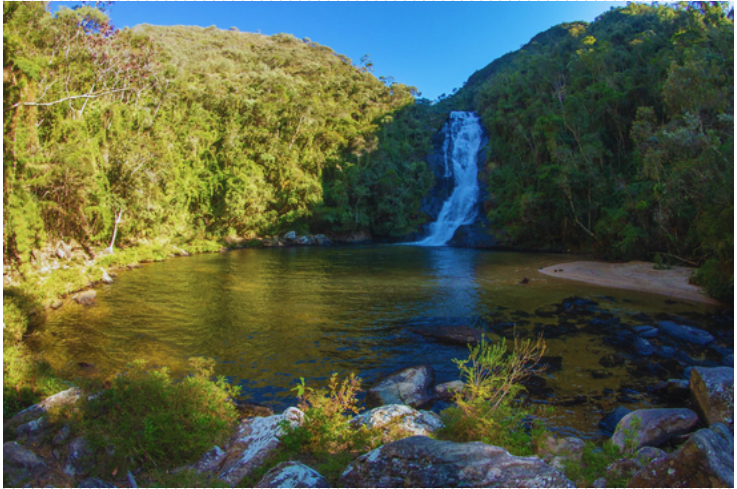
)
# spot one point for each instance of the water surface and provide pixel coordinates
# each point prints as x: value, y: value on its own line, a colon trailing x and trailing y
x: 271, y: 316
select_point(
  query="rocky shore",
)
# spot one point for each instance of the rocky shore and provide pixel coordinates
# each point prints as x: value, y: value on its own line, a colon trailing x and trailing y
x: 669, y: 447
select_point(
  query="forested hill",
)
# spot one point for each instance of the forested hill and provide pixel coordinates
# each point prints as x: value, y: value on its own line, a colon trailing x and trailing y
x: 195, y: 133
x: 617, y: 137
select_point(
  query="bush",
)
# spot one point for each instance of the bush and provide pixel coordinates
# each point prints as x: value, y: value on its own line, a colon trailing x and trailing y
x: 148, y: 418
x: 486, y: 409
x: 325, y: 428
x: 718, y: 280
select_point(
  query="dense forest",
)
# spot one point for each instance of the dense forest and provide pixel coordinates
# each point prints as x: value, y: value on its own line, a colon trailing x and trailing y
x: 617, y: 137
x: 614, y: 137
x: 188, y: 132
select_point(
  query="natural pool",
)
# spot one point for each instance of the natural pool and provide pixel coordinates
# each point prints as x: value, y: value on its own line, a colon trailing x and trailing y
x: 271, y: 316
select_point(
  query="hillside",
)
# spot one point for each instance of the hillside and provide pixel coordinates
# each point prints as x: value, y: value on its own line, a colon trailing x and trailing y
x: 617, y: 137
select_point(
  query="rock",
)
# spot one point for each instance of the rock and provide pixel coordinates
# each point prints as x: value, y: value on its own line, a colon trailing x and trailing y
x: 271, y: 242
x: 396, y: 418
x: 656, y: 427
x: 643, y: 347
x: 570, y: 448
x: 85, y: 298
x: 600, y: 483
x: 419, y: 461
x: 56, y: 304
x: 304, y: 241
x: 706, y: 459
x: 249, y: 409
x: 94, y: 482
x: 290, y: 236
x: 322, y: 240
x: 713, y: 391
x: 646, y: 455
x: 685, y: 333
x: 666, y: 352
x: 609, y: 423
x: 292, y: 474
x: 645, y: 331
x: 211, y: 460
x: 255, y: 441
x: 408, y: 386
x: 64, y: 398
x: 105, y: 277
x: 61, y: 436
x: 34, y: 432
x: 452, y: 335
x: 20, y: 464
x: 448, y: 389
x: 622, y: 469
x: 611, y: 360
x: 80, y: 459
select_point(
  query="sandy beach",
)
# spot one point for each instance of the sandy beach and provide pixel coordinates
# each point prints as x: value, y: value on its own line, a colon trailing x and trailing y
x: 634, y: 276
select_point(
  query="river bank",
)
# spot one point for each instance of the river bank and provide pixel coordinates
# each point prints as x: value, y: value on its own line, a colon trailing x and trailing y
x: 672, y: 282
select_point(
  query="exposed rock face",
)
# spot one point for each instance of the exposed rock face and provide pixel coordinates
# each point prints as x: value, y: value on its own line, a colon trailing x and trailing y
x: 646, y: 455
x: 86, y: 298
x: 292, y: 474
x: 63, y: 398
x: 399, y: 417
x: 685, y: 333
x: 33, y: 432
x: 705, y: 460
x: 419, y: 461
x: 653, y: 427
x: 713, y: 391
x: 20, y: 464
x: 255, y: 440
x: 408, y: 386
x: 452, y: 335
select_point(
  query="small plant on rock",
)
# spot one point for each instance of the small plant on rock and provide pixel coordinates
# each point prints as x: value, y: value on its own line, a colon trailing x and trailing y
x: 486, y: 409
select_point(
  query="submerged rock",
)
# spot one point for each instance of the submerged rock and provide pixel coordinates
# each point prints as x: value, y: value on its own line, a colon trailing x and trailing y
x: 419, y: 461
x: 646, y: 331
x: 713, y: 391
x: 292, y: 474
x: 85, y: 298
x: 652, y: 427
x: 706, y: 459
x: 685, y: 333
x: 408, y: 386
x: 453, y: 335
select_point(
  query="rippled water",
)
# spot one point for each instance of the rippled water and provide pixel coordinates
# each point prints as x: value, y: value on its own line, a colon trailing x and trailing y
x: 271, y: 316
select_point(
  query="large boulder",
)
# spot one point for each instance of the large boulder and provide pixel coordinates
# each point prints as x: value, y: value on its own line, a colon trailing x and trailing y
x: 292, y: 474
x: 713, y: 391
x: 20, y: 464
x: 609, y: 423
x: 653, y: 427
x: 410, y: 386
x: 34, y: 432
x: 419, y: 461
x: 255, y: 440
x: 705, y: 460
x: 398, y: 419
x: 685, y: 333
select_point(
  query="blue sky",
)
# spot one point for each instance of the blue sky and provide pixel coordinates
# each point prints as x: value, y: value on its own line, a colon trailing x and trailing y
x: 434, y: 46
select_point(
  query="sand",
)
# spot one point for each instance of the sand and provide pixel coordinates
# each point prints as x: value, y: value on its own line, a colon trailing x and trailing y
x: 634, y: 276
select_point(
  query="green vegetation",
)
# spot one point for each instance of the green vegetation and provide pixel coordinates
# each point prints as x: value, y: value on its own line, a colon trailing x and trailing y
x: 617, y: 137
x: 595, y: 460
x: 487, y: 409
x: 153, y: 421
x: 189, y: 134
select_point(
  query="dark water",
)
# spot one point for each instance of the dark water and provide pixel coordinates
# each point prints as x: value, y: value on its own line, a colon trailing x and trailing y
x: 271, y: 316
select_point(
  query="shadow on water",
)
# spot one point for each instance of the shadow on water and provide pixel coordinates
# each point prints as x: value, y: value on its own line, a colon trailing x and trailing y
x: 272, y: 316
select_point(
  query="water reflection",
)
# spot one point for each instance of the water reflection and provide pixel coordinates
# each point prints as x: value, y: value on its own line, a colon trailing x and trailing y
x: 454, y: 277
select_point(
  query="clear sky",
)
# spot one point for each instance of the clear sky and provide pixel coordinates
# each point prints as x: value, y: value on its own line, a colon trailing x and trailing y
x: 434, y: 46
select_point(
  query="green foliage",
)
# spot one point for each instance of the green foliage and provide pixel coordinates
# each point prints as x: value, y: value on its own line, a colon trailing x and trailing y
x: 486, y: 409
x: 717, y: 278
x: 325, y: 428
x: 595, y: 460
x: 616, y: 136
x: 152, y: 420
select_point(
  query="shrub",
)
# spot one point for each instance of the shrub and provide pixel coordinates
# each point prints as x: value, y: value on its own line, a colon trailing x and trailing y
x: 325, y: 428
x: 486, y: 409
x: 148, y: 418
x: 718, y: 280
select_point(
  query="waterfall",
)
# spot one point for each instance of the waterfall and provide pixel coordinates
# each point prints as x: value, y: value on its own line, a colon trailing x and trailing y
x: 463, y: 136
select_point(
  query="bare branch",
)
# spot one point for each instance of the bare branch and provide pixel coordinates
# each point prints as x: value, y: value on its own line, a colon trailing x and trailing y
x: 85, y: 95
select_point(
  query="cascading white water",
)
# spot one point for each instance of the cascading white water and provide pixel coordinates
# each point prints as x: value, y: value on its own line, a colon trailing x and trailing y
x: 463, y: 136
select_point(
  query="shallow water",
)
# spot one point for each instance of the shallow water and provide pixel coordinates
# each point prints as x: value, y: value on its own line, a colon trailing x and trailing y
x: 271, y: 316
